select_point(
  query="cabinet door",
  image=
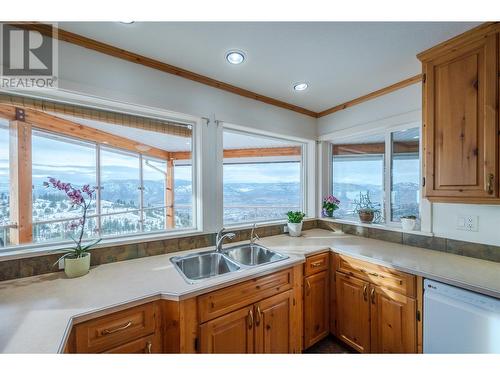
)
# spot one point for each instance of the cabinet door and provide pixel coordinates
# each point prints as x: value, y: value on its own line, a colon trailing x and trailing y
x: 230, y: 333
x: 145, y: 345
x: 316, y: 308
x: 273, y: 320
x: 393, y: 322
x: 461, y: 131
x: 353, y: 312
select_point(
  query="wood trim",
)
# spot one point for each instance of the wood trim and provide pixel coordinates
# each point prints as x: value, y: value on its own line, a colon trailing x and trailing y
x: 45, y: 121
x: 374, y: 148
x: 297, y: 311
x: 21, y: 201
x: 246, y: 153
x: 375, y: 94
x: 469, y: 36
x: 110, y: 50
x: 420, y: 312
x: 188, y: 326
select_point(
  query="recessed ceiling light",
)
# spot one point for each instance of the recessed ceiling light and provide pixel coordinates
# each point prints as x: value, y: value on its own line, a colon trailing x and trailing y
x: 300, y: 86
x: 235, y: 57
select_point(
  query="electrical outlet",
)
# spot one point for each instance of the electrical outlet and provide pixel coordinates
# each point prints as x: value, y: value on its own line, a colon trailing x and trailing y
x: 285, y: 229
x: 468, y: 223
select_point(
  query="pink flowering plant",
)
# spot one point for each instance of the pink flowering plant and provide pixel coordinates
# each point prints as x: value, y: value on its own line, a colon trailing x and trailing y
x: 330, y: 204
x: 78, y: 197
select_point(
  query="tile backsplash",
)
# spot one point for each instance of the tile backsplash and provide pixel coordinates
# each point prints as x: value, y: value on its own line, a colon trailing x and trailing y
x: 17, y: 268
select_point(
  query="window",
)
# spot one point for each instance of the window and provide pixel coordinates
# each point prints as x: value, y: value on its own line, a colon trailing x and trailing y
x: 386, y: 166
x: 405, y: 174
x: 262, y: 178
x: 358, y: 168
x: 71, y: 161
x: 144, y: 182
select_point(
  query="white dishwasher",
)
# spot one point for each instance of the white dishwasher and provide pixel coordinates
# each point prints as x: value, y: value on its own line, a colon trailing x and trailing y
x: 459, y: 321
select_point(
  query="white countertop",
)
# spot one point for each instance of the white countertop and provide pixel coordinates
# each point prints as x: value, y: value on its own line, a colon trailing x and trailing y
x: 36, y: 313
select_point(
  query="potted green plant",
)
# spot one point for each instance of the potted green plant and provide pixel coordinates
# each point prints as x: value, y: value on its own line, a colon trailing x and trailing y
x: 408, y: 222
x: 365, y: 209
x: 295, y: 222
x: 77, y: 259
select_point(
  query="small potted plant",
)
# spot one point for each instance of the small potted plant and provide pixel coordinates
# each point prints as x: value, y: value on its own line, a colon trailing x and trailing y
x: 295, y: 222
x: 77, y: 259
x: 330, y: 204
x: 365, y: 209
x: 408, y: 222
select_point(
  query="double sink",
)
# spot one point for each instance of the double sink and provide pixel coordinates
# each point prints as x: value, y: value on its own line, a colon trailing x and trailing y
x: 208, y: 264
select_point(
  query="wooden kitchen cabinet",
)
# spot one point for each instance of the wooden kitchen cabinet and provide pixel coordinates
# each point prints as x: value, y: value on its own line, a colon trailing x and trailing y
x: 460, y: 124
x: 376, y: 308
x: 264, y: 327
x: 256, y: 316
x: 316, y: 308
x: 144, y: 345
x: 120, y: 331
x: 273, y: 324
x: 393, y: 323
x: 353, y: 312
x: 230, y: 333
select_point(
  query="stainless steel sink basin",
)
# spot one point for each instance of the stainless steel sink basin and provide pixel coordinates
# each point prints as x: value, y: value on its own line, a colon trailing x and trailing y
x: 204, y: 265
x: 252, y: 255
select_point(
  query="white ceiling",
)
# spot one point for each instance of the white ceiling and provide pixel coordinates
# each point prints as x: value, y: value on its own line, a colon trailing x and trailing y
x: 339, y: 60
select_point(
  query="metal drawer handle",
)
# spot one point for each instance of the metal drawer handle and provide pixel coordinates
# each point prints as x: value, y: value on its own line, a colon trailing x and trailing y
x: 489, y: 183
x: 308, y: 284
x: 250, y: 319
x: 365, y: 294
x: 372, y: 296
x: 373, y: 274
x: 257, y: 319
x: 316, y: 264
x: 110, y: 331
x: 148, y: 347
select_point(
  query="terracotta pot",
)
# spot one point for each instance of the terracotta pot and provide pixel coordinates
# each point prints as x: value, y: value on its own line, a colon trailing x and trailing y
x: 366, y: 216
x: 295, y: 229
x: 76, y: 267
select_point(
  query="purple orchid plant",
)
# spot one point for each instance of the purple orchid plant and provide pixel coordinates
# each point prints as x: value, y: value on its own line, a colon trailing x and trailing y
x: 78, y: 197
x: 330, y: 204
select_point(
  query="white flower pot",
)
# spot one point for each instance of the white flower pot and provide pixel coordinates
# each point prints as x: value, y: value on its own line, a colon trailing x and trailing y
x: 294, y: 229
x: 408, y: 224
x: 76, y: 267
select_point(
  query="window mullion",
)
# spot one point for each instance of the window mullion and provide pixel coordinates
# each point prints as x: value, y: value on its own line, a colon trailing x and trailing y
x: 387, y: 177
x: 141, y: 194
x: 98, y: 190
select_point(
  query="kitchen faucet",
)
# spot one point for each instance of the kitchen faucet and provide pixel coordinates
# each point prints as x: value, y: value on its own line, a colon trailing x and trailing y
x: 220, y: 239
x: 254, y: 237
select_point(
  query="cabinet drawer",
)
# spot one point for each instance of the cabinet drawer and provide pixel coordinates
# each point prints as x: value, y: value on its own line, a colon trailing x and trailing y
x: 144, y: 345
x: 316, y: 263
x: 104, y: 333
x: 223, y: 301
x: 397, y: 281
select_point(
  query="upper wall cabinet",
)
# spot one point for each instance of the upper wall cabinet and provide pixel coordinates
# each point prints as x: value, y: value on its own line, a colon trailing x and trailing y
x: 461, y: 132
